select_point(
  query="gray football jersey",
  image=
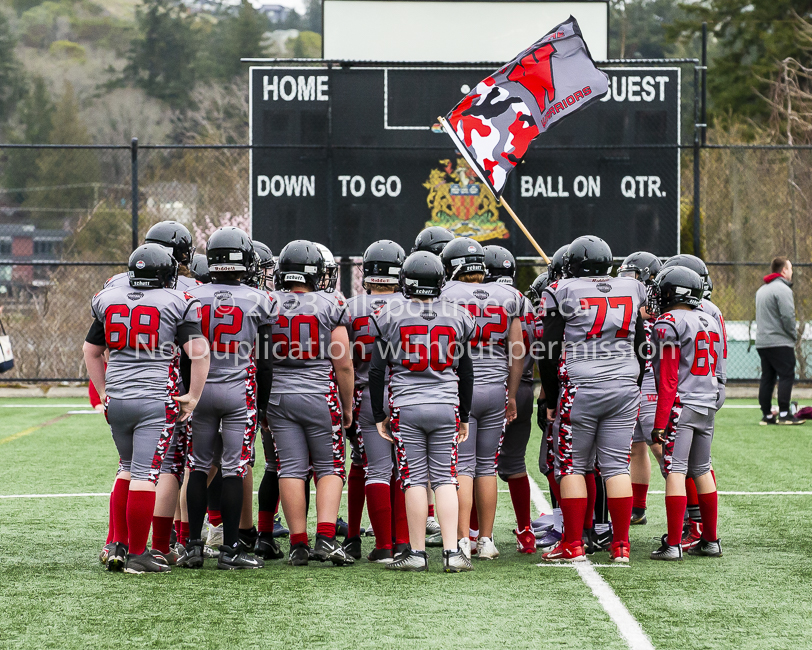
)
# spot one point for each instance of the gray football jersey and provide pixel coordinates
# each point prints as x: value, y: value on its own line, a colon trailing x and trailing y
x: 360, y: 309
x: 494, y: 306
x: 698, y: 337
x: 301, y: 340
x: 420, y: 341
x: 123, y: 280
x: 140, y: 327
x: 721, y: 368
x: 600, y: 316
x: 231, y: 316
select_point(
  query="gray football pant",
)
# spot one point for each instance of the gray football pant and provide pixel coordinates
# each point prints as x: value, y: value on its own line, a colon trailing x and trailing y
x: 307, y: 431
x: 175, y: 460
x: 645, y: 419
x: 517, y: 434
x: 142, y: 430
x: 426, y: 444
x: 227, y: 414
x: 376, y: 452
x: 687, y: 448
x: 596, y: 422
x: 479, y: 454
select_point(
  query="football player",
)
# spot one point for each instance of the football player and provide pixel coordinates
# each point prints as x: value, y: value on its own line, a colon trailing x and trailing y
x: 592, y: 325
x: 423, y: 340
x: 382, y: 263
x: 497, y: 350
x: 311, y: 399
x: 643, y: 266
x: 688, y: 347
x: 139, y: 324
x: 432, y: 239
x: 237, y: 322
x: 500, y: 267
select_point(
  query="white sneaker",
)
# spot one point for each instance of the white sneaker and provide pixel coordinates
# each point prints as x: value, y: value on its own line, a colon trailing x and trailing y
x: 215, y: 536
x: 432, y: 527
x: 465, y: 546
x: 486, y: 549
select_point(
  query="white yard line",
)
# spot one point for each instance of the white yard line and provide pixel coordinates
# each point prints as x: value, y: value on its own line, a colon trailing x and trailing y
x: 44, y: 406
x: 627, y: 625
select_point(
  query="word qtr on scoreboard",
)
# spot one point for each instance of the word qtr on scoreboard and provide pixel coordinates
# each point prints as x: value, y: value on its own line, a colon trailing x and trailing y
x: 355, y: 153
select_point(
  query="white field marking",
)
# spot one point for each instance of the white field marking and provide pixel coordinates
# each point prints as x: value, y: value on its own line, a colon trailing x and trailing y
x: 734, y: 493
x: 627, y: 625
x: 88, y: 412
x: 572, y: 565
x: 43, y: 406
x: 54, y: 496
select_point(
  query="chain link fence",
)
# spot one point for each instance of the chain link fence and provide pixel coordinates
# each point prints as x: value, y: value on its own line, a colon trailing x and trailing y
x: 67, y: 223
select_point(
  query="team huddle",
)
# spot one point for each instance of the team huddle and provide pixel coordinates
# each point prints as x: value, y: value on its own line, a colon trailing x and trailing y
x: 428, y: 375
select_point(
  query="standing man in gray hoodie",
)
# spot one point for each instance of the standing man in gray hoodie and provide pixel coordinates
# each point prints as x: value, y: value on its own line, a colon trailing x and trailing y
x: 775, y: 341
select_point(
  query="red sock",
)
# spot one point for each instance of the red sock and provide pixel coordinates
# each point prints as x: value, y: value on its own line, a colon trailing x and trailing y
x: 675, y: 511
x: 520, y: 496
x: 355, y: 500
x: 555, y: 488
x: 326, y: 528
x: 265, y: 521
x: 183, y: 534
x: 431, y: 510
x: 690, y: 490
x: 709, y: 507
x: 474, y: 525
x: 214, y: 518
x: 140, y: 506
x: 176, y: 524
x: 620, y: 511
x: 713, y: 474
x: 161, y: 532
x: 299, y: 538
x: 110, y: 520
x: 573, y: 511
x: 591, y: 492
x: 639, y: 494
x: 121, y: 490
x: 379, y: 508
x: 401, y: 527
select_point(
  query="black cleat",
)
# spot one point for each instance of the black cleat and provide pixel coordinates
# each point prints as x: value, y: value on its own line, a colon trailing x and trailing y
x: 267, y: 547
x: 410, y: 560
x: 234, y: 558
x: 603, y: 541
x: 248, y: 538
x: 342, y: 528
x: 328, y: 549
x: 590, y: 538
x: 192, y: 556
x: 299, y: 554
x: 278, y: 529
x: 147, y: 562
x: 352, y: 546
x: 772, y: 418
x: 639, y: 517
x: 105, y: 552
x: 790, y: 419
x: 381, y: 556
x: 117, y: 557
x: 399, y: 549
x: 456, y: 562
x: 707, y: 549
x: 667, y: 552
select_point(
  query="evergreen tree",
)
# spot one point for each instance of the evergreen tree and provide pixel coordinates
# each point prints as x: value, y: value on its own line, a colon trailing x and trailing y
x: 238, y: 36
x: 12, y: 85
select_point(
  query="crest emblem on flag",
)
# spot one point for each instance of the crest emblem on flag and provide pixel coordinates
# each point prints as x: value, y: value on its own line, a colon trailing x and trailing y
x: 459, y: 201
x: 495, y: 123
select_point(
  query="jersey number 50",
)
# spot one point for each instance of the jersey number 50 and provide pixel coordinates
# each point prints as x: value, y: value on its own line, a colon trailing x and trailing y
x: 431, y: 355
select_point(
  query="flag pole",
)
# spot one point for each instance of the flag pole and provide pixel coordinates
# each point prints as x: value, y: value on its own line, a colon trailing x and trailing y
x: 524, y: 230
x: 464, y: 152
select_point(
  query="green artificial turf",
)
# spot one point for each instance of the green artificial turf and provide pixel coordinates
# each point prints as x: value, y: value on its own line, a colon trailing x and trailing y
x: 54, y: 593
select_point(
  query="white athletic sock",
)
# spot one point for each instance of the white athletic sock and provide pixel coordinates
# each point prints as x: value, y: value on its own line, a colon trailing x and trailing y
x: 601, y: 528
x: 558, y: 520
x: 783, y: 414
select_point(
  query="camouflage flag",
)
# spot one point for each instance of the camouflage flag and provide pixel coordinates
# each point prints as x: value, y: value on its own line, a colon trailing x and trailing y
x: 495, y: 123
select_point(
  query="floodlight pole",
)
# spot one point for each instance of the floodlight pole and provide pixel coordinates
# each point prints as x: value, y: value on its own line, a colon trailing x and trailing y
x: 134, y: 184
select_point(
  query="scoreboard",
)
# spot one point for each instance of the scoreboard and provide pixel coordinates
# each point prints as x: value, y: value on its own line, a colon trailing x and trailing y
x: 345, y: 155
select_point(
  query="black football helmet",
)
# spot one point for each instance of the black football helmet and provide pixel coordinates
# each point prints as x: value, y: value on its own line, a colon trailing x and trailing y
x: 675, y: 285
x: 538, y: 285
x: 588, y: 256
x: 173, y: 235
x: 230, y: 249
x: 262, y: 277
x: 329, y: 280
x: 422, y: 275
x: 383, y: 260
x: 463, y: 255
x: 556, y: 267
x: 299, y: 261
x: 200, y: 268
x: 432, y: 239
x: 696, y: 265
x: 152, y: 266
x: 641, y: 266
x: 500, y: 265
